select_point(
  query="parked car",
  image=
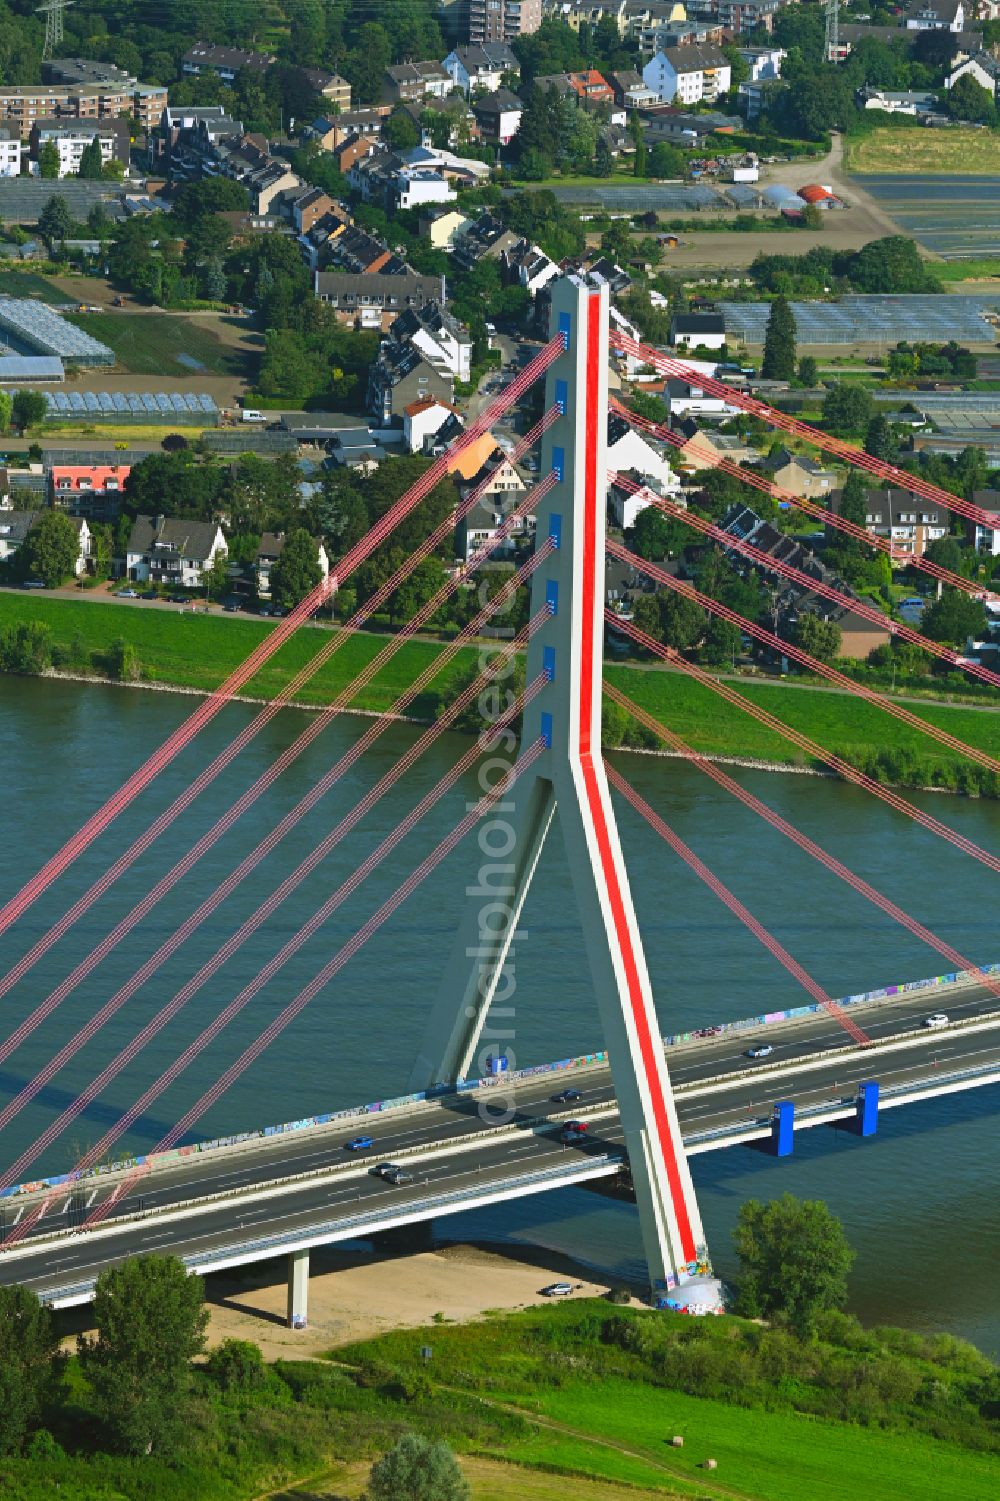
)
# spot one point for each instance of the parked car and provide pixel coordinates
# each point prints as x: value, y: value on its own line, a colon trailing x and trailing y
x: 359, y: 1143
x: 178, y: 599
x: 936, y: 1019
x: 759, y: 1050
x: 33, y: 584
x: 126, y: 594
x: 150, y: 594
x: 557, y: 1290
x: 566, y: 1096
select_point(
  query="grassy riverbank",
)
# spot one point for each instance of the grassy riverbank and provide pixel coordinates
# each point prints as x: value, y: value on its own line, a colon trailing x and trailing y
x: 181, y: 649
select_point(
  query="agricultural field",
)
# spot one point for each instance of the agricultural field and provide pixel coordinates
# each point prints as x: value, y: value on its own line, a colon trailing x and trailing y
x: 956, y: 217
x: 908, y: 151
x: 30, y: 284
x: 165, y: 344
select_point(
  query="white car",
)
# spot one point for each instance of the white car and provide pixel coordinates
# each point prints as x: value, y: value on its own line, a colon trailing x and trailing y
x: 557, y: 1290
x: 936, y: 1019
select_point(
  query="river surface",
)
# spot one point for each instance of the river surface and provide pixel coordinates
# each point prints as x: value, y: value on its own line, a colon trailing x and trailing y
x: 921, y: 1203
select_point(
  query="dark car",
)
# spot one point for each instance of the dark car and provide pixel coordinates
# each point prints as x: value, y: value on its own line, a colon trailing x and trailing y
x: 231, y: 606
x: 398, y: 1177
x: 150, y: 594
x: 359, y: 1143
x: 574, y: 1131
x: 566, y: 1097
x: 178, y: 599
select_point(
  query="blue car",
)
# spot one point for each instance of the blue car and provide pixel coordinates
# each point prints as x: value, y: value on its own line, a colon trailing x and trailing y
x: 359, y: 1143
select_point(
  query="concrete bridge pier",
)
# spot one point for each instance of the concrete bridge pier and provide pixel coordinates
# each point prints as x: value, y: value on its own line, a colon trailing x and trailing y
x: 298, y: 1289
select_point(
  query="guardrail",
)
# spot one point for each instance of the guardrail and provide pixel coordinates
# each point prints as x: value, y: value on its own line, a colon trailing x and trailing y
x: 582, y: 1061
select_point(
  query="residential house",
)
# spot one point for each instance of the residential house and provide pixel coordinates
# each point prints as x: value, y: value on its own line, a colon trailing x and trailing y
x: 982, y: 537
x: 22, y: 104
x: 482, y: 66
x: 93, y: 491
x: 698, y: 331
x: 486, y: 239
x: 71, y: 139
x: 440, y: 225
x: 309, y: 207
x: 269, y: 550
x: 689, y: 75
x: 526, y: 265
x: 755, y: 97
x: 498, y: 116
x: 401, y: 375
x: 167, y: 550
x: 801, y: 475
x: 577, y: 13
x: 984, y: 68
x: 909, y: 522
x: 413, y: 82
x: 438, y: 335
x: 335, y: 90
x: 936, y: 15
x: 702, y: 449
x: 679, y: 128
x: 916, y: 102
x: 224, y: 62
x: 591, y: 87
x: 791, y: 599
x: 685, y: 398
x: 629, y: 451
x: 354, y: 249
x: 631, y: 90
x: 424, y: 419
x: 645, y: 21
x: 763, y: 62
x: 11, y: 149
x: 742, y: 16
x: 330, y: 131
x: 15, y: 526
x: 394, y: 181
x: 371, y: 299
x: 483, y: 466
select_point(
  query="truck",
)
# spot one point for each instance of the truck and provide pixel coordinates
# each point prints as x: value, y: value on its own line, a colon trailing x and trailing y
x: 249, y: 414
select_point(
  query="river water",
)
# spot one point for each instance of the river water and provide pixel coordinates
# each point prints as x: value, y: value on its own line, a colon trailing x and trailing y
x: 921, y: 1203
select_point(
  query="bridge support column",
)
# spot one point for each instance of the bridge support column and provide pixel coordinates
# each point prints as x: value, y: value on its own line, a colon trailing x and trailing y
x: 783, y: 1128
x: 298, y: 1289
x: 569, y: 779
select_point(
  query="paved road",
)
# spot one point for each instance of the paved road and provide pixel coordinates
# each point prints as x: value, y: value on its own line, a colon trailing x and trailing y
x: 459, y: 1155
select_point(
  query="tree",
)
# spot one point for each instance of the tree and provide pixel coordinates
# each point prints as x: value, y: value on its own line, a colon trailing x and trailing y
x: 891, y: 264
x: 237, y: 1365
x: 847, y: 409
x: 26, y: 648
x: 666, y: 161
x: 48, y: 160
x: 55, y: 221
x: 28, y: 409
x: 808, y: 371
x: 401, y: 131
x: 209, y: 195
x: 820, y: 638
x: 954, y: 618
x: 794, y: 1260
x: 721, y: 642
x: 91, y: 161
x: 880, y: 439
x: 216, y: 576
x: 297, y: 571
x: 946, y: 552
x: 779, y: 342
x: 812, y: 216
x: 654, y: 536
x: 604, y: 162
x: 682, y: 621
x: 28, y: 1363
x: 968, y: 100
x: 151, y: 1320
x: 846, y: 553
x: 417, y: 1469
x: 50, y: 550
x: 6, y: 411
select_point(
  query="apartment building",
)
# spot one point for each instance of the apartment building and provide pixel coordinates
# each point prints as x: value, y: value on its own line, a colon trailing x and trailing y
x: 224, y: 62
x: 688, y: 75
x: 23, y: 105
x: 502, y: 20
x: 11, y: 149
x: 72, y: 139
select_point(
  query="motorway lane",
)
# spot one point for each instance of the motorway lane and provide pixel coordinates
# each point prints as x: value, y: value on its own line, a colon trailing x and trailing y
x: 317, y: 1204
x: 457, y: 1117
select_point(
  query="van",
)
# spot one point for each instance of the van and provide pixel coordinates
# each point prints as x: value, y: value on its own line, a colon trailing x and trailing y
x: 250, y: 415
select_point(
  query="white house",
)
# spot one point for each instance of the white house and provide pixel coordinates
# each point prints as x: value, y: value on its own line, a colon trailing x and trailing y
x: 438, y: 336
x: 698, y: 331
x: 269, y: 550
x: 416, y: 186
x: 686, y: 398
x: 984, y: 68
x: 984, y: 538
x: 763, y: 62
x: 15, y: 526
x: 481, y: 66
x: 424, y: 418
x: 688, y: 75
x: 11, y: 148
x: 71, y: 139
x: 165, y: 550
x: 937, y: 15
x: 625, y: 504
x: 629, y: 450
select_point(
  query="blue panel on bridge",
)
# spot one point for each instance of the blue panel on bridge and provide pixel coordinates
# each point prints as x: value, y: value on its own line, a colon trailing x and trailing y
x: 783, y: 1128
x: 555, y: 529
x: 562, y: 395
x: 549, y: 663
x: 565, y: 327
x: 559, y: 463
x: 547, y: 730
x: 552, y: 596
x: 866, y: 1121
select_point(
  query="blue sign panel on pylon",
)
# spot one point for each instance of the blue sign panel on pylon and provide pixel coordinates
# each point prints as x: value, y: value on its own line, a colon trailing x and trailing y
x: 559, y: 463
x: 562, y: 395
x: 565, y: 328
x: 549, y: 663
x: 555, y: 529
x: 783, y: 1128
x: 552, y: 596
x: 867, y: 1109
x: 547, y: 730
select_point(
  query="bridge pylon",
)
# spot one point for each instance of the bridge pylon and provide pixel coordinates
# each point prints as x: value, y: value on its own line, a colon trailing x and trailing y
x: 569, y: 778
